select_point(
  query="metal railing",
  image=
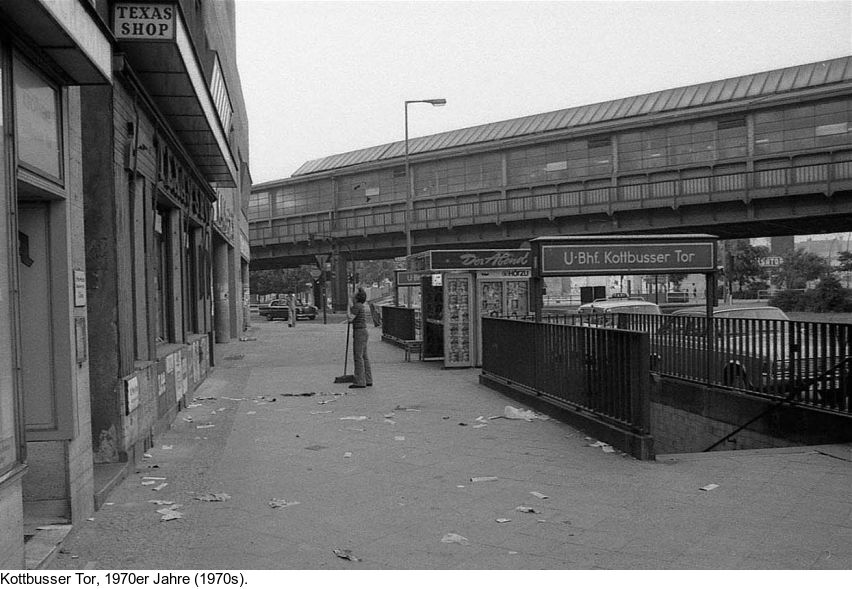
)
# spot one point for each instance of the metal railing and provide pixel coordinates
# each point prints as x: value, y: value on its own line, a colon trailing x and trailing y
x: 811, y: 363
x: 602, y: 371
x: 439, y: 211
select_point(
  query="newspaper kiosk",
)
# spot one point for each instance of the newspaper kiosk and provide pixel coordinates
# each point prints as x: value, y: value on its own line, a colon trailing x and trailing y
x: 458, y: 288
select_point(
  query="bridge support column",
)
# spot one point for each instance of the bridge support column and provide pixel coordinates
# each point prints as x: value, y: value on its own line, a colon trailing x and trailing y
x: 339, y: 294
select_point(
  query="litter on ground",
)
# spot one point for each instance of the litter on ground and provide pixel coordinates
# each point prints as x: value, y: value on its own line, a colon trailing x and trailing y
x: 160, y: 502
x: 161, y: 486
x: 347, y: 454
x: 346, y: 555
x: 354, y: 418
x: 502, y: 520
x: 455, y: 539
x: 527, y: 415
x: 526, y: 509
x: 399, y: 438
x: 482, y: 479
x: 149, y: 482
x: 167, y: 447
x: 539, y: 495
x: 170, y: 513
x: 153, y: 478
x: 205, y: 426
x: 709, y: 487
x: 213, y: 497
x: 275, y: 503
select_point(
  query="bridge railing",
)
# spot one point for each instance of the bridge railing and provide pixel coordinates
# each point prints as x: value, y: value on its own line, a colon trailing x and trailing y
x: 588, y: 196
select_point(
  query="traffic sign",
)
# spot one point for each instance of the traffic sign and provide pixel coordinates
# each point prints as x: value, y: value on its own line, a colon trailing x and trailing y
x: 315, y: 273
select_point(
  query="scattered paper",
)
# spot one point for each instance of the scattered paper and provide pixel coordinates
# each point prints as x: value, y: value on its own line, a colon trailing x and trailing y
x: 455, y: 539
x: 169, y: 513
x: 399, y: 438
x: 346, y: 555
x: 539, y: 495
x: 608, y: 449
x: 251, y: 412
x: 514, y: 413
x: 502, y: 520
x: 213, y: 497
x: 161, y: 486
x: 167, y: 447
x: 347, y: 454
x: 275, y: 503
x: 149, y: 482
x: 480, y: 425
x: 160, y: 502
x: 146, y: 455
x: 354, y: 418
x: 525, y: 509
x: 709, y: 487
x: 482, y: 479
x: 320, y: 412
x: 205, y: 426
x: 188, y: 419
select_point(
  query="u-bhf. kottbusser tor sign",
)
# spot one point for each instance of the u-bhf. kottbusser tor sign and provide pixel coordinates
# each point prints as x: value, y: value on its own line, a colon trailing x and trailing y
x: 623, y: 254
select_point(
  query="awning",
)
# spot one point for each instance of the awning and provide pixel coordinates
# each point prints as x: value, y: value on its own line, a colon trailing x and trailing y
x: 156, y: 44
x: 69, y: 34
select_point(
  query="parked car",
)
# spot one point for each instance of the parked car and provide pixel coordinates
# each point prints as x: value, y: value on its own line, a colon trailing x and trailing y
x: 306, y: 312
x: 280, y: 309
x: 755, y: 348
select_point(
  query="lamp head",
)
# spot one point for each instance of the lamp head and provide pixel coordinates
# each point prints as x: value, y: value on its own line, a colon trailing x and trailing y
x: 437, y: 101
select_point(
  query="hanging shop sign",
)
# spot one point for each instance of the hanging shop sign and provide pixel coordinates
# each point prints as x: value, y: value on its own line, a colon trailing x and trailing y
x: 145, y: 21
x: 580, y: 256
x: 469, y: 260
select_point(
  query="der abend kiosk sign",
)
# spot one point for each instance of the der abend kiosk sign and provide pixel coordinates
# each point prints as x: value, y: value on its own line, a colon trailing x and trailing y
x: 623, y: 254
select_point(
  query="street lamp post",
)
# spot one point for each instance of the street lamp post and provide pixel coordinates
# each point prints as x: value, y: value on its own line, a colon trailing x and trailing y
x: 409, y: 201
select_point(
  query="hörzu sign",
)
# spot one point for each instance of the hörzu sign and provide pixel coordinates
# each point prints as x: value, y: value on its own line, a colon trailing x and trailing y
x: 144, y: 21
x: 627, y: 258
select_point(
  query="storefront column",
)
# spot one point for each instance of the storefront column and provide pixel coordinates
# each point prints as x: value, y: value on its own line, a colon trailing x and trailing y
x: 221, y: 292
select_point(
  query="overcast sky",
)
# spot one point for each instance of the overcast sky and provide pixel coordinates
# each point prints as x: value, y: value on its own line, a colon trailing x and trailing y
x: 321, y: 78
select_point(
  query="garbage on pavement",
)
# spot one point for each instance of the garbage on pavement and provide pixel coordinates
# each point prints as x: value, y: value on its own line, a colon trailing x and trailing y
x: 213, y: 497
x: 539, y: 495
x: 527, y: 415
x: 709, y: 487
x: 346, y: 554
x: 482, y: 479
x: 452, y: 538
x: 502, y: 520
x: 526, y: 509
x: 170, y: 513
x: 276, y: 503
x: 354, y: 418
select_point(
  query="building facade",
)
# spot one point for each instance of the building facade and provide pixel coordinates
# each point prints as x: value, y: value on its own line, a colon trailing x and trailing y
x: 123, y: 251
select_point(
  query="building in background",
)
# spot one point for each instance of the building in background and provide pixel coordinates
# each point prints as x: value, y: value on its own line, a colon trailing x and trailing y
x: 123, y: 252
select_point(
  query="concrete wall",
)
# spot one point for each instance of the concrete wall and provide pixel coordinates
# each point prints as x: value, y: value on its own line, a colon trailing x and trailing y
x: 688, y: 417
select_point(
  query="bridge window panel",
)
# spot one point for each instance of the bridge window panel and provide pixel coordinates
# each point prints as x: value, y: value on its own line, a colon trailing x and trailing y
x: 600, y: 156
x: 258, y: 206
x: 731, y: 142
x: 630, y: 152
x: 455, y: 175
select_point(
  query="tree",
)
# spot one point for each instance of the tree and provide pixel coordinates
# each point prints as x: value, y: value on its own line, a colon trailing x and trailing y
x: 743, y: 264
x: 279, y: 281
x: 844, y: 261
x: 798, y: 268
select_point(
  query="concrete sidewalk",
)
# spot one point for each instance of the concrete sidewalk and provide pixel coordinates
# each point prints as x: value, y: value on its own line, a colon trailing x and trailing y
x: 385, y: 472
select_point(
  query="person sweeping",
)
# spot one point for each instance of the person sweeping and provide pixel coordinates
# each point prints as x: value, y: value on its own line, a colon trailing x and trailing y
x: 358, y: 318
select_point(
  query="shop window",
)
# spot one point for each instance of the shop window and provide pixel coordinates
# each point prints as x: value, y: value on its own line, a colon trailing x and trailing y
x: 38, y: 123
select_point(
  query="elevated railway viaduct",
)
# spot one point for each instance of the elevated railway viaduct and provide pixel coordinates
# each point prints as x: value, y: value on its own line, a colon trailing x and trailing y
x: 764, y: 154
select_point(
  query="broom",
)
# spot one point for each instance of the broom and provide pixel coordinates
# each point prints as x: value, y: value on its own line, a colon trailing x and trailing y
x: 345, y: 377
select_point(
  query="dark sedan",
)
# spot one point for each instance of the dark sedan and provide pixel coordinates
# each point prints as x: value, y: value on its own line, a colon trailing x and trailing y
x: 279, y: 309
